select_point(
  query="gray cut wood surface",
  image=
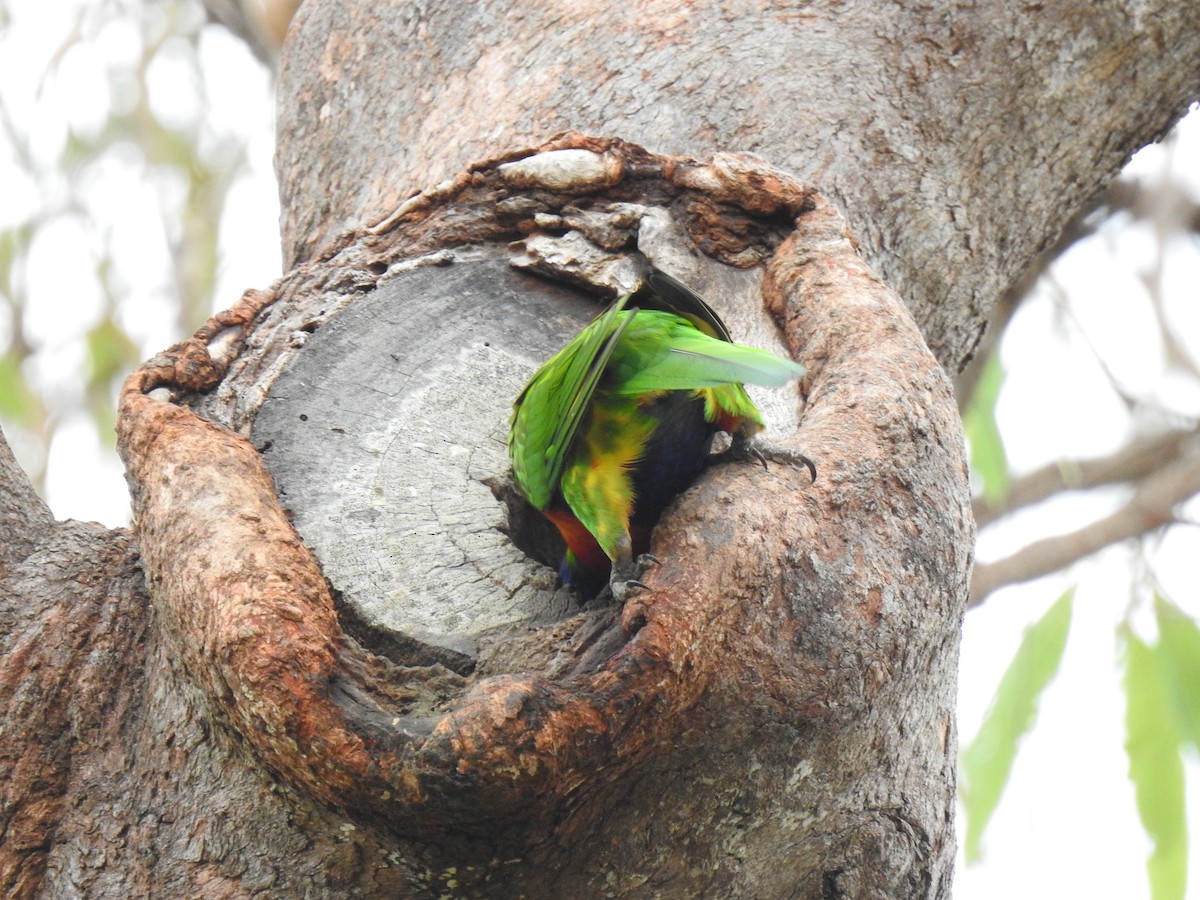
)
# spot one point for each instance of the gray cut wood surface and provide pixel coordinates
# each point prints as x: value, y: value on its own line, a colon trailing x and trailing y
x: 958, y: 139
x: 387, y: 438
x: 386, y: 435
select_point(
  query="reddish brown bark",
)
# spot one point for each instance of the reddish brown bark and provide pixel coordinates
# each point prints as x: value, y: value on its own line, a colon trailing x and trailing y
x: 756, y: 567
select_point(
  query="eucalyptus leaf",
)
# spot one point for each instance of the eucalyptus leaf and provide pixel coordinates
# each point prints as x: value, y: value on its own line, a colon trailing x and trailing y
x: 988, y: 761
x: 1178, y: 654
x: 1155, y: 767
x: 988, y: 458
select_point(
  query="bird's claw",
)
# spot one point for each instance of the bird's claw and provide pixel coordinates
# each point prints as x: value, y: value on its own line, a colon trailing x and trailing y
x: 758, y: 455
x: 795, y: 457
x: 625, y: 577
x: 742, y: 449
x: 745, y: 449
x: 625, y: 589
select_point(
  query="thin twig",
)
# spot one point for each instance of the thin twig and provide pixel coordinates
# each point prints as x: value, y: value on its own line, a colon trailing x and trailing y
x: 1132, y: 462
x: 1152, y: 506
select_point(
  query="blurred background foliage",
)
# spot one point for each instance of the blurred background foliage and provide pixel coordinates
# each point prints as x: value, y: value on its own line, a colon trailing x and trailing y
x: 132, y: 134
x: 135, y: 144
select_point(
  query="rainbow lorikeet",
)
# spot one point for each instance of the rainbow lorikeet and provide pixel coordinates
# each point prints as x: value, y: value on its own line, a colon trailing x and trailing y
x: 621, y: 420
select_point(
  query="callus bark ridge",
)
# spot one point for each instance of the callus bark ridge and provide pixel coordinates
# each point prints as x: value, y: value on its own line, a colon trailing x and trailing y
x: 786, y: 620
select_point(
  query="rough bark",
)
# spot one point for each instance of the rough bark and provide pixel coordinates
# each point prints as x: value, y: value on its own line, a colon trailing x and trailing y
x: 773, y: 716
x: 922, y: 121
x: 183, y: 711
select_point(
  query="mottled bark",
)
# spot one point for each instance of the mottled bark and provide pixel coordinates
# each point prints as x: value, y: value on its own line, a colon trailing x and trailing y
x: 775, y: 633
x: 207, y: 708
x: 773, y: 716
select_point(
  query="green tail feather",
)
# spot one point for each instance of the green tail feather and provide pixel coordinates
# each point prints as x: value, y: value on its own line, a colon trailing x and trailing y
x: 696, y: 361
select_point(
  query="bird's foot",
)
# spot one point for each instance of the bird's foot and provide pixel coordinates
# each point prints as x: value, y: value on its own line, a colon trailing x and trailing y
x: 744, y: 449
x: 626, y: 575
x: 789, y: 457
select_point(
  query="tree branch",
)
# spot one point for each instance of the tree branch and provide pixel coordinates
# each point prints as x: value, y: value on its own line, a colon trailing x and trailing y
x: 262, y: 24
x: 1152, y: 506
x: 24, y: 516
x: 845, y: 628
x: 1137, y: 460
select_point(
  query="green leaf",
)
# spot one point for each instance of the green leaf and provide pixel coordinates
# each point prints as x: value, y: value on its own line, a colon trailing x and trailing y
x: 111, y: 352
x: 988, y: 459
x: 1178, y: 653
x: 1155, y: 768
x: 988, y: 761
x: 17, y: 402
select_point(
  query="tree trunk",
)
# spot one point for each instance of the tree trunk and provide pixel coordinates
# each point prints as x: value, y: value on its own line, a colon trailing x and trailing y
x: 374, y: 688
x: 958, y: 139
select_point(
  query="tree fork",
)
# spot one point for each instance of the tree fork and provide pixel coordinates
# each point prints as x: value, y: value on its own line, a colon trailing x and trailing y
x: 774, y: 715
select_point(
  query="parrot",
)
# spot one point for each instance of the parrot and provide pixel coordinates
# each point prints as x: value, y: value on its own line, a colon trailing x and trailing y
x: 621, y: 420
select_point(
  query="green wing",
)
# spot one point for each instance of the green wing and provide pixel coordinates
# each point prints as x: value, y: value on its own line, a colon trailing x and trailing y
x: 665, y: 353
x: 677, y: 343
x: 547, y: 414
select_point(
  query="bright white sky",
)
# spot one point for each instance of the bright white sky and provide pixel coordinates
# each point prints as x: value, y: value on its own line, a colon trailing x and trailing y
x: 1067, y: 826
